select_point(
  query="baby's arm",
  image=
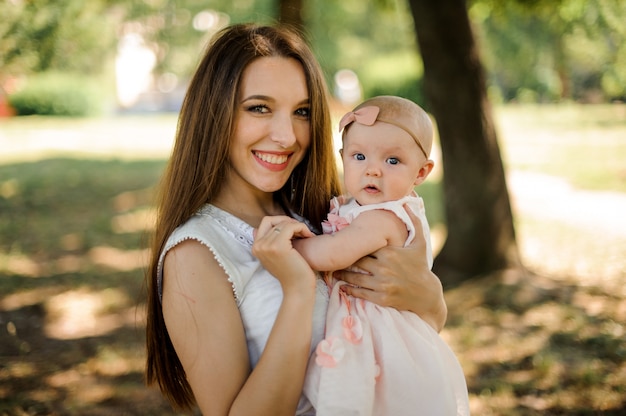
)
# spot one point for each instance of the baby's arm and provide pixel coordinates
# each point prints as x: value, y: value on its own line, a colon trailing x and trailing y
x: 368, y: 232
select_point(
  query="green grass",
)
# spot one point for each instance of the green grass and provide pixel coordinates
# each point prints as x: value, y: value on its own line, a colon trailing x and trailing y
x: 53, y: 195
x: 71, y: 285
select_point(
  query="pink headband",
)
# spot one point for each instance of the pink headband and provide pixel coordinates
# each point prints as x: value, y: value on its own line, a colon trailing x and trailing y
x: 368, y: 116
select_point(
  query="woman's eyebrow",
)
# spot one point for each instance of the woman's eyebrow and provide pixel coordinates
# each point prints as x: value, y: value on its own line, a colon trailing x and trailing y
x: 268, y: 98
x: 257, y: 97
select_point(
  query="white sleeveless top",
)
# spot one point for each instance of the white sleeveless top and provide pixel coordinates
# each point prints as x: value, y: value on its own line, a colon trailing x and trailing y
x: 258, y: 294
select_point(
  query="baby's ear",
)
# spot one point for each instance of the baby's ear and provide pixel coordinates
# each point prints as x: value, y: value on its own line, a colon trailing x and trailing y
x: 424, y: 171
x: 341, y: 152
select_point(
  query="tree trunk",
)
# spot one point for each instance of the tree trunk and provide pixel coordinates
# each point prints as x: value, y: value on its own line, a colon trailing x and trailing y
x: 481, y: 237
x: 290, y: 13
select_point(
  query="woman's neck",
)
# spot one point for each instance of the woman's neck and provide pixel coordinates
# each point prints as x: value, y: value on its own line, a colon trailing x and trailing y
x: 247, y: 206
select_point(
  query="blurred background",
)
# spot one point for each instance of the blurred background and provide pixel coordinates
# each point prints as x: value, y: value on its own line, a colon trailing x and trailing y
x: 109, y: 56
x: 89, y: 95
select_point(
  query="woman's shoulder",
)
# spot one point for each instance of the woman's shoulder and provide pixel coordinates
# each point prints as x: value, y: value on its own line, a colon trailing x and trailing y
x: 227, y: 237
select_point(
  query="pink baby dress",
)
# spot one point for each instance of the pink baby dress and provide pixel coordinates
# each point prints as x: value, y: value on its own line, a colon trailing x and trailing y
x: 377, y: 360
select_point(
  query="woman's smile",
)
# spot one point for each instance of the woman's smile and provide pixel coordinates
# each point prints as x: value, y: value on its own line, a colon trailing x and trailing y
x: 271, y: 160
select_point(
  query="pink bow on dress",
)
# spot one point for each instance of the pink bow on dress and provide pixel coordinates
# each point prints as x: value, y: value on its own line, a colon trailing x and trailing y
x: 364, y: 115
x: 333, y: 224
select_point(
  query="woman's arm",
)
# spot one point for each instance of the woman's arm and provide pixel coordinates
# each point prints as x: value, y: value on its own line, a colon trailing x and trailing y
x: 400, y: 278
x: 205, y: 326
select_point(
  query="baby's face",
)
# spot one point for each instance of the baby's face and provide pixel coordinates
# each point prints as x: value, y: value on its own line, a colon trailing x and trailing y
x: 381, y: 162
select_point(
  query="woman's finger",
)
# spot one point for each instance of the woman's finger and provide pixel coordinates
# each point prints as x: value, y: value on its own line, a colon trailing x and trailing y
x: 381, y: 298
x: 354, y: 277
x: 272, y: 224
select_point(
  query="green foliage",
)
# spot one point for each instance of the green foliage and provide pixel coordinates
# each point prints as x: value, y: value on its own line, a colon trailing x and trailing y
x: 410, y: 88
x: 374, y: 39
x: 394, y: 74
x: 547, y: 51
x: 533, y: 50
x: 57, y: 94
x: 64, y: 35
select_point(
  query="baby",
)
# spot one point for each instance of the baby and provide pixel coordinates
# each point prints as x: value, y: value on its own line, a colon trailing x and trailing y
x: 376, y: 360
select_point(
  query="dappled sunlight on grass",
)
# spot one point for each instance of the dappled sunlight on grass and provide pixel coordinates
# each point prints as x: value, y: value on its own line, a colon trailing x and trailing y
x: 566, y: 252
x: 135, y: 211
x: 104, y: 256
x: 72, y: 259
x: 531, y: 345
x: 19, y: 264
x: 8, y: 188
x: 20, y: 369
x: 133, y: 222
x: 87, y: 388
x: 116, y: 259
x: 79, y: 313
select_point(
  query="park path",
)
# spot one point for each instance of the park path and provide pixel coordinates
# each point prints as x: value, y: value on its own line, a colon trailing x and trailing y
x: 132, y: 137
x: 553, y: 198
x: 569, y: 233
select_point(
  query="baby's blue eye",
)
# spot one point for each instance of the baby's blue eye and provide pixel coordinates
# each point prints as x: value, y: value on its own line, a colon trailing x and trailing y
x: 393, y: 161
x: 359, y: 156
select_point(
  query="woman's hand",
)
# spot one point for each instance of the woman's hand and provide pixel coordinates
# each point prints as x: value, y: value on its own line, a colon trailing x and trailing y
x: 399, y: 277
x: 273, y: 247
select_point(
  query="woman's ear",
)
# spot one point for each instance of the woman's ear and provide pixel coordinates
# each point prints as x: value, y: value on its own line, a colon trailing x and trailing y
x: 424, y: 171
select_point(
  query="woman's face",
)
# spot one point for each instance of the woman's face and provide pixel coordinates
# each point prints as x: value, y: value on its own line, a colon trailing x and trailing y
x: 272, y: 133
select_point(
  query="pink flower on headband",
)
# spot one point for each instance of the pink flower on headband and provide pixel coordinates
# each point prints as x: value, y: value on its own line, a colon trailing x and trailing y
x: 364, y: 115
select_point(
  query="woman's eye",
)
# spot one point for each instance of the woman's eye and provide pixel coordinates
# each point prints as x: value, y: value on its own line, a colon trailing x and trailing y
x: 393, y: 161
x: 359, y: 156
x: 260, y: 108
x: 304, y: 112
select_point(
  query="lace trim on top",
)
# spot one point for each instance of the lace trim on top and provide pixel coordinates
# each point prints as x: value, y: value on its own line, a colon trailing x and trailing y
x: 240, y: 230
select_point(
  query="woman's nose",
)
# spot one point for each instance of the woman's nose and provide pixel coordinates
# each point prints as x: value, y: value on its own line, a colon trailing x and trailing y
x: 283, y: 132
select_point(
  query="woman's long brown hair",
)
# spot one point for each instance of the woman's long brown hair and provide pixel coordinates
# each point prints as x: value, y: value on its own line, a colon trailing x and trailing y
x: 199, y: 160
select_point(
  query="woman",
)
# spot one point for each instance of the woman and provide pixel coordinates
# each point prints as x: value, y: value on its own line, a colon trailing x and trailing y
x: 229, y: 330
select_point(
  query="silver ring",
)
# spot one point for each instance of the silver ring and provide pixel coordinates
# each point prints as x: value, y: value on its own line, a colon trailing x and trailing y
x: 276, y: 229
